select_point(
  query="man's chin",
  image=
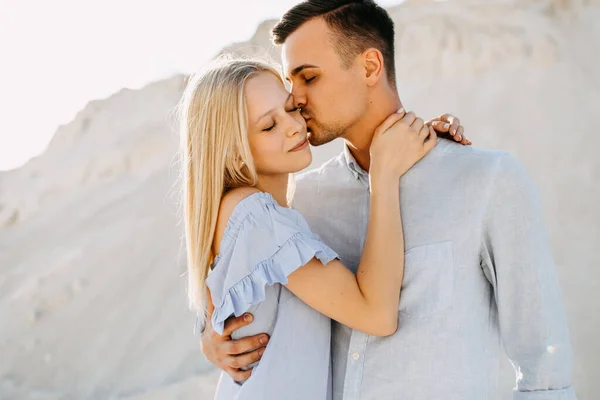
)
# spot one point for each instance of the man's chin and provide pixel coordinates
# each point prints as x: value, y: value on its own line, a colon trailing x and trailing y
x: 318, y: 140
x: 312, y: 140
x: 315, y: 139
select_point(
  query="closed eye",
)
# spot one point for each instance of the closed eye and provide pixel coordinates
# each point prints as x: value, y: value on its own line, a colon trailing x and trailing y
x: 307, y: 81
x: 269, y: 128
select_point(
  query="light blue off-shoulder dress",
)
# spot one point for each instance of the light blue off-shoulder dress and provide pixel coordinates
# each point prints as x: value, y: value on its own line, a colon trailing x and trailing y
x: 262, y: 245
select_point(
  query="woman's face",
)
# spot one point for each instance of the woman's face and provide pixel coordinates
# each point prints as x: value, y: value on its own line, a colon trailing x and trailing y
x: 276, y: 130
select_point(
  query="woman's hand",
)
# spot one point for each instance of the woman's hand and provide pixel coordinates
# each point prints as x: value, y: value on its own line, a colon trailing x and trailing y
x: 447, y: 126
x: 398, y: 144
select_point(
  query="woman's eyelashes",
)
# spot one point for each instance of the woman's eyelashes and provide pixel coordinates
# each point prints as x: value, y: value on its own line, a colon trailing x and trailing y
x: 309, y: 80
x: 274, y: 124
x: 270, y: 128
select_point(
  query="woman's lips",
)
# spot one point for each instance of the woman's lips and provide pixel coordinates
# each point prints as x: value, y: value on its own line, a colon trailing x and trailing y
x: 300, y: 146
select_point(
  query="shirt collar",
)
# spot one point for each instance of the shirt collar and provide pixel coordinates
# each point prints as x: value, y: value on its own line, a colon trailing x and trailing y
x: 352, y: 164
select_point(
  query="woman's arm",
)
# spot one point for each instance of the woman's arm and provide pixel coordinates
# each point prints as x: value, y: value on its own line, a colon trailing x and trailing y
x: 368, y: 301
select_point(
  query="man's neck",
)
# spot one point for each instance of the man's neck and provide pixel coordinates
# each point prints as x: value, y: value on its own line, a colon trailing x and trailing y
x: 359, y: 136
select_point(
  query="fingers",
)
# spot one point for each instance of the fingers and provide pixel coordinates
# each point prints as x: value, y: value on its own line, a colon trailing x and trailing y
x: 448, y: 123
x: 389, y: 122
x: 239, y: 375
x: 244, y: 345
x: 244, y: 360
x: 454, y: 124
x: 451, y: 119
x: 409, y: 118
x: 459, y: 136
x: 439, y: 126
x: 464, y: 138
x: 233, y: 324
x: 233, y: 364
x: 424, y: 132
x: 417, y: 124
x: 431, y: 143
x: 445, y: 123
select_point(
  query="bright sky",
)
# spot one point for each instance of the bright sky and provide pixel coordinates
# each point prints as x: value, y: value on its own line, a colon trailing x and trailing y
x: 58, y: 55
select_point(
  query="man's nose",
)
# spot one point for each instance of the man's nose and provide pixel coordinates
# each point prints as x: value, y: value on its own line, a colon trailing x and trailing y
x: 299, y: 98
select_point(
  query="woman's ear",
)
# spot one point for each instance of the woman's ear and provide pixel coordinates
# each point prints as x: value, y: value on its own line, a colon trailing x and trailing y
x: 373, y: 64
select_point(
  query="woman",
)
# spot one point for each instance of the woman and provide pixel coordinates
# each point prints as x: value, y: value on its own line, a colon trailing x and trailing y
x: 247, y: 250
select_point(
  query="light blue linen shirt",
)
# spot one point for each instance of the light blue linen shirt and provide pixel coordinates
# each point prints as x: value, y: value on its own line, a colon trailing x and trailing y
x: 479, y: 274
x: 262, y: 245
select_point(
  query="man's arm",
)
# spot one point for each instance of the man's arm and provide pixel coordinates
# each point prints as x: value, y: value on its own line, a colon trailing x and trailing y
x: 227, y: 354
x: 232, y: 355
x: 517, y: 260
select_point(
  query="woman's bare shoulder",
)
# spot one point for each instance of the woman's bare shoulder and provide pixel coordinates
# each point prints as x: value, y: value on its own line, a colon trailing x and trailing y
x: 228, y: 203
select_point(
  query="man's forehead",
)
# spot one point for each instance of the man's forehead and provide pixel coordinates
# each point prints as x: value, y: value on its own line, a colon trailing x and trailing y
x: 297, y: 62
x: 308, y: 45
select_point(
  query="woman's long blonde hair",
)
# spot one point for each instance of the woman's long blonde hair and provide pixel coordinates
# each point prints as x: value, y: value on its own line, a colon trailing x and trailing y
x: 215, y: 157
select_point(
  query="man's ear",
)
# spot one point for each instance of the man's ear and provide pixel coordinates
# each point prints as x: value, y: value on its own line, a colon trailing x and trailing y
x: 373, y: 64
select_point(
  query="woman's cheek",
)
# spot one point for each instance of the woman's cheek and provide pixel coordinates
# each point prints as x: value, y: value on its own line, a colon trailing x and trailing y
x: 267, y: 151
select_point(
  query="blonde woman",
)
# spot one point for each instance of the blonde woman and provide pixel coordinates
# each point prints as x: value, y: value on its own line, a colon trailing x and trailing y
x: 249, y: 251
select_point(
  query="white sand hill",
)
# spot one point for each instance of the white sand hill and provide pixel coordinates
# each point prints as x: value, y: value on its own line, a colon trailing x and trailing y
x: 92, y: 305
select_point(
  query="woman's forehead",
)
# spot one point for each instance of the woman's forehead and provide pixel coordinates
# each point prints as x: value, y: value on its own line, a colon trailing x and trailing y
x: 264, y: 93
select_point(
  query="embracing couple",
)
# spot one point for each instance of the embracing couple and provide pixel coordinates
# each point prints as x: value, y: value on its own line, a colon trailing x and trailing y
x: 400, y: 269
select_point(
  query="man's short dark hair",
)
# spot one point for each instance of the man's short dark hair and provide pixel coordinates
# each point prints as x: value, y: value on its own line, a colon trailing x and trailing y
x: 356, y: 24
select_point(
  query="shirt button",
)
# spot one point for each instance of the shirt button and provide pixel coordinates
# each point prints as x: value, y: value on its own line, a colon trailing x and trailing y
x: 356, y: 356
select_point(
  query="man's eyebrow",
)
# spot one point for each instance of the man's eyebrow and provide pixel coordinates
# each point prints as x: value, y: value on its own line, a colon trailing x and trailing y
x: 297, y: 70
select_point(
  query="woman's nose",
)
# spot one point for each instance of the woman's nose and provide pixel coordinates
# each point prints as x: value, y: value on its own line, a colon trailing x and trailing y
x: 294, y: 125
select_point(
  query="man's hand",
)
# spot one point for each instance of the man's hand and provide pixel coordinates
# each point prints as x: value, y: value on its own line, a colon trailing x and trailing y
x: 448, y: 126
x: 232, y: 355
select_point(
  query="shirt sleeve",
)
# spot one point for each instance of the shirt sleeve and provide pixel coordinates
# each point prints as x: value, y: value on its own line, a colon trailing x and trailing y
x: 517, y: 260
x: 263, y: 246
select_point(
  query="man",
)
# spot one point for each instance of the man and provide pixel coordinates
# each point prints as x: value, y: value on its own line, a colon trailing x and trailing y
x: 478, y: 272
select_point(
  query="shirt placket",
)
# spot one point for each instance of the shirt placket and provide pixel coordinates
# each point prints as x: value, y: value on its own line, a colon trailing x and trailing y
x: 358, y: 340
x: 355, y: 365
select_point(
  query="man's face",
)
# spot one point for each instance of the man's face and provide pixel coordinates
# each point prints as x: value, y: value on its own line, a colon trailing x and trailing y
x: 332, y: 97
